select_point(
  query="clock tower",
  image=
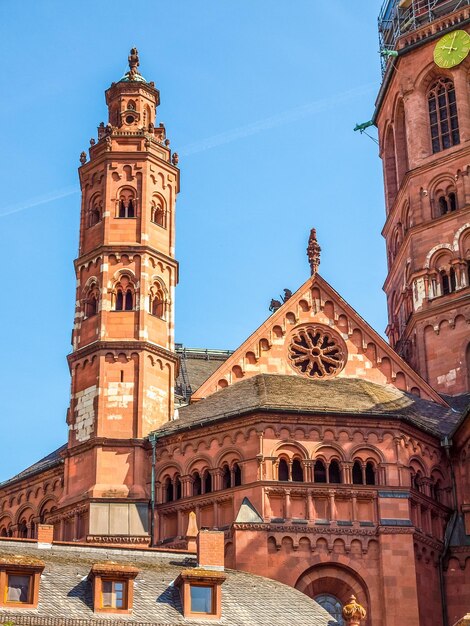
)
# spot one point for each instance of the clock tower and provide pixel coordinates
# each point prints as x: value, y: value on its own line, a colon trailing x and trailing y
x: 123, y: 361
x: 423, y: 118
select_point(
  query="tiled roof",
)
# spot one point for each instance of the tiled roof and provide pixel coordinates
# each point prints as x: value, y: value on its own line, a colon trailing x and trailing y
x: 196, y: 365
x: 346, y: 396
x: 65, y: 594
x: 49, y: 461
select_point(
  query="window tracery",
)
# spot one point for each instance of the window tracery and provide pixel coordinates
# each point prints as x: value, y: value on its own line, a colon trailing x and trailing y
x: 123, y: 294
x: 127, y: 204
x: 91, y: 300
x: 443, y: 118
x: 158, y: 212
x: 157, y: 303
x: 317, y: 352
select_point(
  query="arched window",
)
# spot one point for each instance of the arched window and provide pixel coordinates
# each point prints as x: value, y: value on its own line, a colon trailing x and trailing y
x: 436, y: 490
x: 334, y: 472
x: 370, y: 473
x: 123, y: 295
x: 91, y: 301
x: 168, y: 490
x: 207, y: 482
x: 94, y: 212
x: 452, y: 201
x: 197, y: 484
x: 126, y: 204
x: 22, y: 530
x: 357, y: 473
x: 446, y: 202
x: 237, y: 475
x: 226, y: 477
x: 443, y: 119
x: 442, y: 202
x: 333, y: 606
x: 158, y: 213
x: 445, y: 283
x: 297, y: 471
x: 390, y: 168
x: 177, y: 488
x: 283, y: 471
x: 157, y: 301
x: 3, y: 532
x: 416, y: 480
x: 319, y: 472
x: 452, y: 281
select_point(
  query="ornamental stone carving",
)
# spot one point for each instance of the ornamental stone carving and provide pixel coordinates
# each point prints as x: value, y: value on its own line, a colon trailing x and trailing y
x: 316, y: 351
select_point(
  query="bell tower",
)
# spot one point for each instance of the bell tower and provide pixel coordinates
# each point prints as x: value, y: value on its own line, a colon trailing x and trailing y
x: 423, y: 117
x: 123, y: 361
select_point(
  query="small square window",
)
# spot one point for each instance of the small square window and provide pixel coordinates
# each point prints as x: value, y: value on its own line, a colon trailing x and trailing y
x: 202, y: 599
x: 18, y: 589
x: 113, y: 594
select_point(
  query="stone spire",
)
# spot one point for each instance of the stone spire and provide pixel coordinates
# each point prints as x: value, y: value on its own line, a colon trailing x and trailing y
x: 313, y: 252
x: 353, y: 612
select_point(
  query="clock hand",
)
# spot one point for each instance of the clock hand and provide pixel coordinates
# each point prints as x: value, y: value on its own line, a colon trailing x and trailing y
x: 453, y: 40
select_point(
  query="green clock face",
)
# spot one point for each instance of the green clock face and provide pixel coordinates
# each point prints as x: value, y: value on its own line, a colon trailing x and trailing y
x: 452, y: 49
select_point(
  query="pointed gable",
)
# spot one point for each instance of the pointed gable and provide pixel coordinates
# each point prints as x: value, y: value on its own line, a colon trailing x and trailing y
x: 336, y: 341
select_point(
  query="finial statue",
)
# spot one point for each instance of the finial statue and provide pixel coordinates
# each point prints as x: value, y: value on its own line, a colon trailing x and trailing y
x: 133, y: 62
x: 353, y: 612
x: 313, y: 252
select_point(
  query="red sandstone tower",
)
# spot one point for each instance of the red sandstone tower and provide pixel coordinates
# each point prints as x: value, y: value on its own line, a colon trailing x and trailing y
x: 423, y: 117
x: 123, y: 361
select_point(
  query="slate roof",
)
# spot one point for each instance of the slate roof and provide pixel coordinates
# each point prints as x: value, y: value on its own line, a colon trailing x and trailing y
x: 49, y: 461
x: 65, y: 594
x: 196, y: 365
x: 342, y: 396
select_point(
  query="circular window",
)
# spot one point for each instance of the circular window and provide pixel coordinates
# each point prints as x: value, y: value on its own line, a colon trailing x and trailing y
x: 317, y: 352
x: 130, y: 119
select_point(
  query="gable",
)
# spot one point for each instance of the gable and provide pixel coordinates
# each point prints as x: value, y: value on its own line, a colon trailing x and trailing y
x: 336, y: 341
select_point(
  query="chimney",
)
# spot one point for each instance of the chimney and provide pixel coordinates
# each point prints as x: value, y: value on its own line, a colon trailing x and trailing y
x: 45, y: 536
x: 210, y: 549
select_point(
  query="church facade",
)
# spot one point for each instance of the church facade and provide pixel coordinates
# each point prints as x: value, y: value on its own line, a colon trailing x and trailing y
x: 333, y: 461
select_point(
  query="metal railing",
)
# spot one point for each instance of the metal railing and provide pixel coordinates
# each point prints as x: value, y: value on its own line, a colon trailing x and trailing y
x: 398, y: 17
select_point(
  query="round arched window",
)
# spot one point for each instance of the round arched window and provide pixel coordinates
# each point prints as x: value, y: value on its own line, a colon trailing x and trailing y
x: 317, y: 351
x: 333, y: 606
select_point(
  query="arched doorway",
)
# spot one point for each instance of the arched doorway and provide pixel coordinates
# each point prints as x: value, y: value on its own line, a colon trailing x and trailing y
x: 331, y: 585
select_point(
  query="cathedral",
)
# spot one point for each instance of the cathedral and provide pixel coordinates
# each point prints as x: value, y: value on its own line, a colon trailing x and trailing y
x: 317, y: 454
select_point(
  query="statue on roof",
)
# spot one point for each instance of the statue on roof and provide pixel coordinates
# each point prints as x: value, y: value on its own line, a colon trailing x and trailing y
x: 313, y: 252
x: 133, y: 59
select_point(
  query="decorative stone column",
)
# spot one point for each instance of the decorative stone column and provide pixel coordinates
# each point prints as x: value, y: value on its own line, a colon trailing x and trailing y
x: 353, y: 612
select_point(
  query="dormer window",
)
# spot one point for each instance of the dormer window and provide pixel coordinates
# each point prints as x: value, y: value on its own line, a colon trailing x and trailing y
x: 201, y: 592
x: 19, y: 581
x: 113, y: 587
x: 202, y: 599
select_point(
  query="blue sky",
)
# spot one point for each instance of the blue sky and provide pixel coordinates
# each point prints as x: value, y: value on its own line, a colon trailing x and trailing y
x: 259, y: 97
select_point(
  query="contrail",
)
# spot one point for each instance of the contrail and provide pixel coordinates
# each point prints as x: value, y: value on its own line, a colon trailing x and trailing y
x: 33, y: 202
x: 276, y: 120
x: 247, y: 130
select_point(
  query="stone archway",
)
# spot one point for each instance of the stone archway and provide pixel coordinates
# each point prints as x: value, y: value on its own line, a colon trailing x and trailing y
x: 335, y: 580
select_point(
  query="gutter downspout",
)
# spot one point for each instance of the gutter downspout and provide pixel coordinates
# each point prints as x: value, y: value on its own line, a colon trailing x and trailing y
x: 153, y: 442
x: 446, y: 443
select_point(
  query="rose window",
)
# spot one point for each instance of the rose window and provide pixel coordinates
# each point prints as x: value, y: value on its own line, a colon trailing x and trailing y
x: 317, y: 352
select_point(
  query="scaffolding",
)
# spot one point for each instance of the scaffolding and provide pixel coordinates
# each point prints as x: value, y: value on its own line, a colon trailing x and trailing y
x: 398, y: 17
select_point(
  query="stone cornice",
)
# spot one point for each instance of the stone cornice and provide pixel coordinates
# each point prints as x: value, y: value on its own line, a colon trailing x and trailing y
x: 257, y: 416
x: 122, y: 346
x: 135, y: 248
